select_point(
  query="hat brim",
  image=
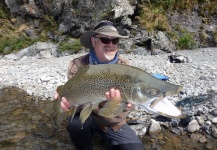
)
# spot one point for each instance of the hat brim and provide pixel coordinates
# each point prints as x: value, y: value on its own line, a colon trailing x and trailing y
x: 85, y: 38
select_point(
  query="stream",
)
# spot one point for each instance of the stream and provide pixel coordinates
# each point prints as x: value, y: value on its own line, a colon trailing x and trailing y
x: 24, y: 125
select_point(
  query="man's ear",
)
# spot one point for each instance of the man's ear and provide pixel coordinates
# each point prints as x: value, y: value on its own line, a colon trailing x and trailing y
x: 92, y: 41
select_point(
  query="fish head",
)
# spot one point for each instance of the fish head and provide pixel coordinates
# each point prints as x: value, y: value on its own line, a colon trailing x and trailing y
x: 142, y: 92
x: 148, y: 87
x: 152, y: 96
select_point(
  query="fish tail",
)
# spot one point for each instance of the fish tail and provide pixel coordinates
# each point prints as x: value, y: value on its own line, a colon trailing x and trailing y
x: 54, y: 110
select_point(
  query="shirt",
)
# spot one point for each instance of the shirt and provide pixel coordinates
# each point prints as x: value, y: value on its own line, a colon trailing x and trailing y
x: 116, y: 122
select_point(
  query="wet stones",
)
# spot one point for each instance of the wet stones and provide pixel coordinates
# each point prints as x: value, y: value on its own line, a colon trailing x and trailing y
x: 214, y: 112
x: 155, y: 128
x: 214, y: 120
x: 40, y: 77
x: 193, y: 126
x: 200, y: 120
x: 214, y: 132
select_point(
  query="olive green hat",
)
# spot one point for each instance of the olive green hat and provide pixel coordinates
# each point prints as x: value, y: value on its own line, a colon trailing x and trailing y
x: 105, y: 28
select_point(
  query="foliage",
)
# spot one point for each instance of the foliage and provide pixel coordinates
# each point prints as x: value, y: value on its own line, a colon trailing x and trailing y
x: 215, y: 36
x: 72, y: 46
x: 186, y: 42
x: 9, y: 45
x: 153, y: 13
x: 153, y: 18
x: 49, y: 24
x: 13, y: 38
x: 4, y: 12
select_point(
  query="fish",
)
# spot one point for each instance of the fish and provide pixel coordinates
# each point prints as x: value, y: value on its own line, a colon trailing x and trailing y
x: 89, y: 85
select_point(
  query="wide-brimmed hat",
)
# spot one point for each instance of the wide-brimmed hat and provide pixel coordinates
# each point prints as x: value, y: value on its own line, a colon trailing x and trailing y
x: 105, y: 28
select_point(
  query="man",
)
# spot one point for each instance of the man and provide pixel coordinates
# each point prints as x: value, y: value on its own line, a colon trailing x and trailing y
x: 103, y: 45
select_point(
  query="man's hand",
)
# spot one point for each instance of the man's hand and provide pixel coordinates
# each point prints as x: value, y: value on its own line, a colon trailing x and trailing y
x: 64, y: 102
x: 115, y: 94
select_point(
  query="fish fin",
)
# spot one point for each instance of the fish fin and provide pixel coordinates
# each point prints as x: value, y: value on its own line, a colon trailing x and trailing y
x: 85, y: 112
x: 59, y: 88
x: 112, y: 109
x: 95, y: 105
x: 54, y: 110
x: 72, y: 111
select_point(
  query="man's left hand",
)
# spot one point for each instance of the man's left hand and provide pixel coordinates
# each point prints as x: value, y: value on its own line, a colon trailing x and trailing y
x: 115, y: 94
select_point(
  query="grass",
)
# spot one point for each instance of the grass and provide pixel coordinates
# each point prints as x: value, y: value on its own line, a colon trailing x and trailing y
x: 153, y: 18
x: 8, y: 45
x: 14, y: 39
x: 186, y: 42
x: 72, y: 46
x: 215, y: 35
x: 153, y: 13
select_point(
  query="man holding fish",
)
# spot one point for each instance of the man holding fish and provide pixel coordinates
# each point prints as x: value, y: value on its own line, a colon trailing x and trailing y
x: 100, y: 97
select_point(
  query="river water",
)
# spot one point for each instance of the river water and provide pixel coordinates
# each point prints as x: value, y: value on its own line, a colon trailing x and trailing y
x: 24, y: 125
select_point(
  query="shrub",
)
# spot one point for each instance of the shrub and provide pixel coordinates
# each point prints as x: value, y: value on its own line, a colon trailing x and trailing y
x: 73, y: 46
x: 9, y: 45
x: 186, y: 42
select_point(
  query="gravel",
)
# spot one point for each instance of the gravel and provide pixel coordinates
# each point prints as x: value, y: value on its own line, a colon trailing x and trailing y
x: 40, y: 77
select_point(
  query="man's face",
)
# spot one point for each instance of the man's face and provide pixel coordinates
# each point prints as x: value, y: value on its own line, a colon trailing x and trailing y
x: 105, y: 49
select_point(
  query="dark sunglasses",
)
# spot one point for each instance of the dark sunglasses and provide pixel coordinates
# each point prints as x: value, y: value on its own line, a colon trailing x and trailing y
x: 107, y: 40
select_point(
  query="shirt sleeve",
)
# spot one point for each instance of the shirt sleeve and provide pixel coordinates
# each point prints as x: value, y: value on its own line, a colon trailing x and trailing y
x: 72, y: 69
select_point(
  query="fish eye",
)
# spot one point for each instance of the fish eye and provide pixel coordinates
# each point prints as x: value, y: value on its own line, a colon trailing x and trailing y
x: 152, y: 92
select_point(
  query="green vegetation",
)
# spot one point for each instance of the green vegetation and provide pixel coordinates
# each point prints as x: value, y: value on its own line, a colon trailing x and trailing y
x: 215, y: 35
x: 9, y: 45
x: 4, y: 12
x: 13, y: 38
x: 186, y: 42
x: 74, y: 46
x: 152, y: 16
x: 153, y: 13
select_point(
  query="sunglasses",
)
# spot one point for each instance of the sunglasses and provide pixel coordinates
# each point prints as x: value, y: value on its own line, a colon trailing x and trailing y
x: 107, y: 40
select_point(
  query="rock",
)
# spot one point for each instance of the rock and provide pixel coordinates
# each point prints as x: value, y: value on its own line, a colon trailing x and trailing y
x: 174, y: 123
x: 155, y: 128
x: 36, y: 49
x: 206, y: 128
x: 193, y: 126
x: 209, y: 146
x: 143, y: 131
x: 162, y: 42
x: 214, y: 120
x: 139, y: 129
x: 200, y: 120
x: 214, y: 112
x: 10, y: 56
x: 176, y: 131
x: 195, y: 136
x: 208, y: 122
x: 214, y: 132
x: 202, y: 139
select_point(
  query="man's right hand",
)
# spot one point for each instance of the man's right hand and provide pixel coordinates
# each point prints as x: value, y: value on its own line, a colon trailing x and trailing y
x: 64, y: 103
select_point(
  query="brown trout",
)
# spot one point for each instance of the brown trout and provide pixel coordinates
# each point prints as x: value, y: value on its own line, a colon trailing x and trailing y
x: 91, y: 82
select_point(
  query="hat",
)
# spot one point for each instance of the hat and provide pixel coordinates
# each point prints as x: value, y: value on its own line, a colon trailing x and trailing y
x: 105, y: 28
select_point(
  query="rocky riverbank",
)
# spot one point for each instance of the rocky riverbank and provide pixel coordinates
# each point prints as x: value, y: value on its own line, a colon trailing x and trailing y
x: 40, y: 77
